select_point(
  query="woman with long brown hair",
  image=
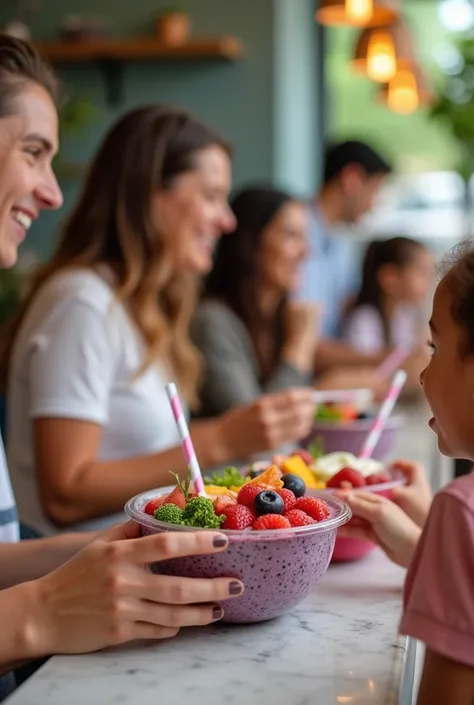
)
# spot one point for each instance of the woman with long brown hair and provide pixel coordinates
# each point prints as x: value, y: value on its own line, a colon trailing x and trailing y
x: 106, y: 324
x: 253, y: 336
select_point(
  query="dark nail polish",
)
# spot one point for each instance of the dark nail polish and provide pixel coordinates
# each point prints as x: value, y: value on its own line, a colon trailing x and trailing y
x: 235, y: 589
x: 219, y: 541
x: 217, y: 612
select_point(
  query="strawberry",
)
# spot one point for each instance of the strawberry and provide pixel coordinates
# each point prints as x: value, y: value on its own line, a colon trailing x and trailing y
x: 248, y: 493
x: 349, y: 476
x: 305, y: 456
x: 222, y: 503
x: 154, y: 503
x: 177, y: 497
x: 288, y: 497
x: 298, y: 518
x: 271, y: 521
x: 238, y: 518
x: 377, y: 478
x: 317, y: 509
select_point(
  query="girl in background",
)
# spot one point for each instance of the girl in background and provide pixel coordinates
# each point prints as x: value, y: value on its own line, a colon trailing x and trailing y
x: 397, y: 277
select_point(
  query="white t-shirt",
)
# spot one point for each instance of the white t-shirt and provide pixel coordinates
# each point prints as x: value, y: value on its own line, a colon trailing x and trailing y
x: 76, y: 357
x: 9, y: 530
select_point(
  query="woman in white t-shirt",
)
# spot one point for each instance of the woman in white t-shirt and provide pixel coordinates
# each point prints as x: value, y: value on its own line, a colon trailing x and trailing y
x: 106, y: 325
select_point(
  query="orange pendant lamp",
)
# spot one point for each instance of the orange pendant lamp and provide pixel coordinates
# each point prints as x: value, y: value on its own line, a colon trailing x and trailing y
x: 355, y: 13
x: 382, y: 51
x: 407, y: 91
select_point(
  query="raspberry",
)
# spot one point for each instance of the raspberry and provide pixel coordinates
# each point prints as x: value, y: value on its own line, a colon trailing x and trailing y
x: 223, y: 503
x: 298, y: 518
x: 271, y: 521
x: 289, y: 499
x: 248, y: 493
x: 238, y: 518
x: 348, y: 476
x: 317, y: 509
x: 377, y: 478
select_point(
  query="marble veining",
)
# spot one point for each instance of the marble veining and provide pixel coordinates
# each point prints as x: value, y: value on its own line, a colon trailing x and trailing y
x: 339, y: 646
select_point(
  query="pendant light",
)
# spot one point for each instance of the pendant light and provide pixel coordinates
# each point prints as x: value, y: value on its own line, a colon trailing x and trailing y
x: 407, y: 91
x: 356, y: 13
x: 381, y: 51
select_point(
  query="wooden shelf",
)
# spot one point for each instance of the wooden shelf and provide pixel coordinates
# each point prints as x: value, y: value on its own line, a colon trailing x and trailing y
x: 109, y: 55
x: 224, y: 48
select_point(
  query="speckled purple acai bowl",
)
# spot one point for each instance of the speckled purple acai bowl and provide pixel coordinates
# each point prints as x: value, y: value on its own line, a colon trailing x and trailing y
x: 278, y: 568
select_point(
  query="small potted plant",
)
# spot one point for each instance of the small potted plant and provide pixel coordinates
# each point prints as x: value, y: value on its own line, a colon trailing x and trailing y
x: 173, y: 26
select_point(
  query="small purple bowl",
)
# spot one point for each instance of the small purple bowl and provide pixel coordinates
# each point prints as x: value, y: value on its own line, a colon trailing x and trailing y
x: 278, y: 568
x: 350, y: 436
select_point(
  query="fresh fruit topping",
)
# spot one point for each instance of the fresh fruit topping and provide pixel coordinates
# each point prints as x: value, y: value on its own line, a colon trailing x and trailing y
x: 169, y: 513
x: 295, y: 483
x: 270, y: 479
x: 317, y: 509
x: 289, y: 499
x: 154, y: 503
x: 229, y: 477
x: 269, y: 502
x: 255, y: 473
x: 296, y: 466
x: 177, y: 497
x: 271, y: 521
x: 248, y: 493
x: 222, y: 503
x: 305, y: 456
x: 298, y: 518
x: 238, y: 518
x: 349, y: 476
x: 216, y: 491
x: 377, y: 478
x: 199, y: 511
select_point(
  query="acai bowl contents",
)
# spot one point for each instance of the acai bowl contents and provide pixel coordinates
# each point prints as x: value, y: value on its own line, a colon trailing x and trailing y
x: 281, y: 538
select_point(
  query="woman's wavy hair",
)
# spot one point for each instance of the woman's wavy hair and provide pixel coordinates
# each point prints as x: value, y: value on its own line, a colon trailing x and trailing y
x: 112, y: 225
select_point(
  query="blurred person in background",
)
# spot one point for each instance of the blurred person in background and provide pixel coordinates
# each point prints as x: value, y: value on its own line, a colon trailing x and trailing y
x: 352, y: 176
x: 254, y: 338
x: 389, y: 309
x: 106, y: 325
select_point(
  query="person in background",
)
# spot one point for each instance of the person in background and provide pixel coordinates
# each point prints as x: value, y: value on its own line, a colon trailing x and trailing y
x: 352, y: 176
x: 252, y: 336
x: 106, y: 324
x: 76, y: 592
x: 438, y: 599
x: 397, y: 278
x: 388, y: 311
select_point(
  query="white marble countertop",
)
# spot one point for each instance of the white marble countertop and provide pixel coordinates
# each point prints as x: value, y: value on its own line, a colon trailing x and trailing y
x: 339, y: 646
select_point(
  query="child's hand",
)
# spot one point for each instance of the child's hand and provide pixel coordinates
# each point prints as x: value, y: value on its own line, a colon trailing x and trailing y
x: 415, y: 497
x: 379, y: 520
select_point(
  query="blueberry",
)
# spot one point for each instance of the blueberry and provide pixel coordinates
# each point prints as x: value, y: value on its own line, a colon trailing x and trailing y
x: 268, y: 502
x: 365, y: 415
x: 255, y: 473
x: 294, y: 483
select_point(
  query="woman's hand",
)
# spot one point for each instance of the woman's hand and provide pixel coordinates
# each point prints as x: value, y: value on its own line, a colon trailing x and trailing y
x: 377, y: 519
x: 354, y: 378
x: 415, y: 497
x: 268, y: 423
x: 106, y: 595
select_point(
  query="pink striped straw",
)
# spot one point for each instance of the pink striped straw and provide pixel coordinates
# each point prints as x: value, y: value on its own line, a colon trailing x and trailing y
x: 187, y: 444
x: 384, y: 412
x: 392, y: 362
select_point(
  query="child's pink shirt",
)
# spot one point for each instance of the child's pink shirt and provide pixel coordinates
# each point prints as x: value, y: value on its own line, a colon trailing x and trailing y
x: 439, y: 589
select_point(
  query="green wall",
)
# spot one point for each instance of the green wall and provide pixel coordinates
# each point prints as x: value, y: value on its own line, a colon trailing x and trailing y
x: 238, y: 98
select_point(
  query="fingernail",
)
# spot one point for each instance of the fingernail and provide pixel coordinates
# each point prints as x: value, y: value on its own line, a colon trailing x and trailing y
x: 219, y: 541
x: 235, y: 588
x: 217, y: 612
